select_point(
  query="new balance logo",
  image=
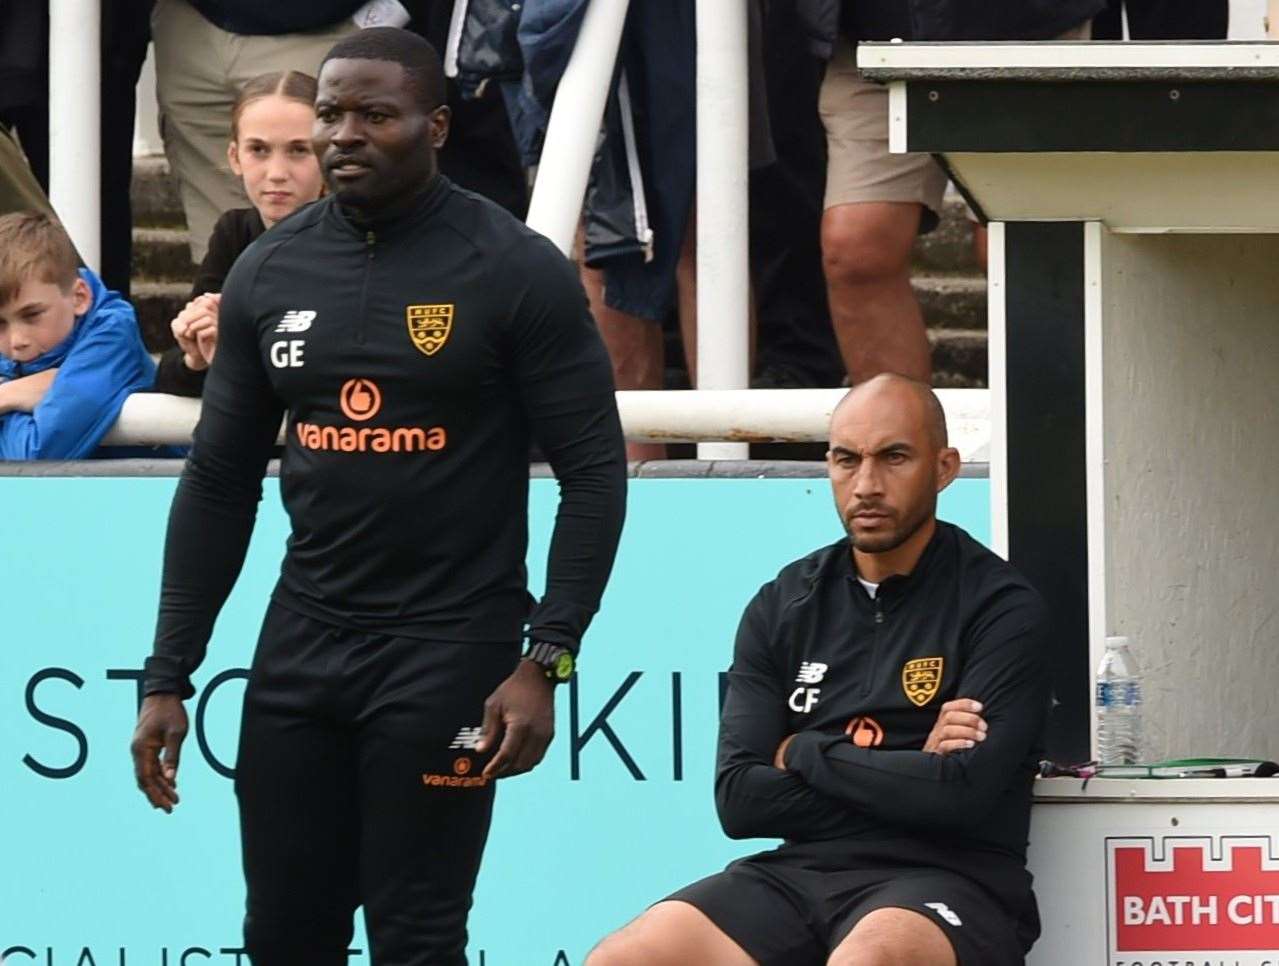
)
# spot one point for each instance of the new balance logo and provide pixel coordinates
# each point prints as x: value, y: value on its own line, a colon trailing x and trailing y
x: 945, y: 912
x: 811, y: 672
x: 467, y: 738
x: 296, y: 320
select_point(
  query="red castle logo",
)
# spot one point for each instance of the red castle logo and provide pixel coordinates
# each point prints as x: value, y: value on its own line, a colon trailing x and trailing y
x: 1193, y: 894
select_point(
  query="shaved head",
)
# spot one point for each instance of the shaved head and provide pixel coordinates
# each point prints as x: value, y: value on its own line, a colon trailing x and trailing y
x: 888, y: 460
x: 890, y: 384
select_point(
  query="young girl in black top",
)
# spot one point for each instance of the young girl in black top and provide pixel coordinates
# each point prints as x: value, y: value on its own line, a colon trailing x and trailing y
x: 270, y: 150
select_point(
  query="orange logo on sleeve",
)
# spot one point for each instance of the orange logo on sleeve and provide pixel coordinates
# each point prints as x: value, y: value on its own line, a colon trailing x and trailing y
x: 865, y: 732
x: 360, y: 399
x: 461, y: 766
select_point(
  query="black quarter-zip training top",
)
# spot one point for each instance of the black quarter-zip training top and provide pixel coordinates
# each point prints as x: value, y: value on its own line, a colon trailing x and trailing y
x: 859, y: 682
x: 415, y: 359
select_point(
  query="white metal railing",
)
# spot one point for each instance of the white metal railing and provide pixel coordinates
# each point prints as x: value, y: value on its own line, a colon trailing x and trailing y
x: 573, y: 128
x: 723, y: 203
x: 723, y: 274
x: 75, y: 111
x: 694, y: 416
x: 722, y: 416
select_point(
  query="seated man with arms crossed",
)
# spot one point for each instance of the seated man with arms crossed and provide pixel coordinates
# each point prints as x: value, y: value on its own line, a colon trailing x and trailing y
x: 884, y: 712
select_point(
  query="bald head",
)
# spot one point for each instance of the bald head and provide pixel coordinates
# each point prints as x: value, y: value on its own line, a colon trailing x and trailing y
x: 888, y: 460
x: 889, y: 391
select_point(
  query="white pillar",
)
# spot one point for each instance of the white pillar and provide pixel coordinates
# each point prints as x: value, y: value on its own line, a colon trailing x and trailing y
x: 723, y: 282
x: 75, y: 108
x: 573, y: 129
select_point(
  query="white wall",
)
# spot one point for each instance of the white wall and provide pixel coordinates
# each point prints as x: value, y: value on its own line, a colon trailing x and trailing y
x: 1247, y: 19
x: 1191, y: 443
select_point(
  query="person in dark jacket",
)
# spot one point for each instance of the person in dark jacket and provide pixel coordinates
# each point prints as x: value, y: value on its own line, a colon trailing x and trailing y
x: 419, y: 338
x: 884, y: 716
x: 1164, y: 20
x: 877, y: 202
x: 270, y: 151
x: 24, y: 109
x: 205, y: 52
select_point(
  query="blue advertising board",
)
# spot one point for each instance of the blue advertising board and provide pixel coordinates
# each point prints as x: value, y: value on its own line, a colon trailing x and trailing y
x: 618, y: 815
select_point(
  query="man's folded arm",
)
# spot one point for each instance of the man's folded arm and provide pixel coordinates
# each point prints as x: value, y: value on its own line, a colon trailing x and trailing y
x: 753, y: 797
x: 1008, y: 674
x: 215, y: 505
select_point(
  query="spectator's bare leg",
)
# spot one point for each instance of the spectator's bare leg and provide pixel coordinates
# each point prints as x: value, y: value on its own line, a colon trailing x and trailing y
x: 669, y: 934
x: 635, y: 348
x: 981, y: 245
x: 894, y: 937
x: 686, y: 296
x: 866, y: 250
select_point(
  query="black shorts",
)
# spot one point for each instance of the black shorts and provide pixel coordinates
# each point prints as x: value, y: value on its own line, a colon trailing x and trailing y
x: 788, y: 911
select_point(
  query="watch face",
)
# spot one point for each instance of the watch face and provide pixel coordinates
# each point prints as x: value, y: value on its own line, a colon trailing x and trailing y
x: 563, y: 669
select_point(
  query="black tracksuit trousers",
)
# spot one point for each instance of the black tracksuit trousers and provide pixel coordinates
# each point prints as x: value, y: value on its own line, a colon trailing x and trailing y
x: 358, y: 785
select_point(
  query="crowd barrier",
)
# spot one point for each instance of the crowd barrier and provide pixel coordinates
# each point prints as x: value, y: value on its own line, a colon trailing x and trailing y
x: 619, y: 814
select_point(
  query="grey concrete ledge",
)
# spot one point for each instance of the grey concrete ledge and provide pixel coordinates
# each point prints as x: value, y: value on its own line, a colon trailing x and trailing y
x: 646, y: 470
x: 1073, y: 61
x: 1133, y: 75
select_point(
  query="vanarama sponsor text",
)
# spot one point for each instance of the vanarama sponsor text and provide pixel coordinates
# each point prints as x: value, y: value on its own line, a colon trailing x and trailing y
x: 377, y: 439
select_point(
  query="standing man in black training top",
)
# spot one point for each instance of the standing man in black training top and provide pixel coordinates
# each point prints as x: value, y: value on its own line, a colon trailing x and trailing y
x: 884, y: 710
x: 417, y: 336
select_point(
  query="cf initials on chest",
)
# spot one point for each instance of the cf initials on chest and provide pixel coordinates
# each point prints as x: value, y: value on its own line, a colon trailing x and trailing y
x: 804, y: 698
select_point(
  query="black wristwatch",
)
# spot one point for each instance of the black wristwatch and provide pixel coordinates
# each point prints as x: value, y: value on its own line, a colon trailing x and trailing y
x: 556, y: 661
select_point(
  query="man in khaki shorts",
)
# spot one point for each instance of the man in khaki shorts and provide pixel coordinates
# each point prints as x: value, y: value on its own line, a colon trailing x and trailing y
x: 877, y: 202
x: 205, y: 51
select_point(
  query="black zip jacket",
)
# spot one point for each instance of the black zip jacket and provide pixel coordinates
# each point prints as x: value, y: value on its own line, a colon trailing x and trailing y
x: 940, y: 20
x: 415, y: 359
x: 254, y: 18
x: 859, y: 682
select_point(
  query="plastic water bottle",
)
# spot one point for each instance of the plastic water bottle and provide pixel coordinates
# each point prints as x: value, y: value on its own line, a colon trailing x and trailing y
x: 1118, y: 705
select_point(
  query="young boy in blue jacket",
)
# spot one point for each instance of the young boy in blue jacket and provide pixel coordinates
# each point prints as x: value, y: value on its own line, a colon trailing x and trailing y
x: 70, y: 351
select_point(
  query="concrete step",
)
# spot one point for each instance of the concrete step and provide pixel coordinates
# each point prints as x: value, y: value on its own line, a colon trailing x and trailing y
x: 154, y: 194
x: 946, y: 249
x: 959, y: 358
x: 162, y: 253
x: 156, y: 304
x: 952, y: 301
x: 959, y: 354
x: 949, y: 246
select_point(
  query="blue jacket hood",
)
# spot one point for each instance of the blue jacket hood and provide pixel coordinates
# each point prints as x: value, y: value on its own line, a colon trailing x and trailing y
x: 100, y: 364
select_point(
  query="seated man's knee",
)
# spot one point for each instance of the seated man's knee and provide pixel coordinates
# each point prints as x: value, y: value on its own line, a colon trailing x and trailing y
x: 629, y: 946
x: 869, y: 955
x: 671, y: 933
x: 867, y: 243
x: 614, y: 950
x: 894, y: 937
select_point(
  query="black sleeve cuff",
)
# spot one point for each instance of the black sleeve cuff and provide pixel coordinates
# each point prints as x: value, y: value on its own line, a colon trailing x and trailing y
x: 163, y: 675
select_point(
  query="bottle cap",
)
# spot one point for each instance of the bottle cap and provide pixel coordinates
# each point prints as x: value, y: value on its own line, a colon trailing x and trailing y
x: 1113, y: 642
